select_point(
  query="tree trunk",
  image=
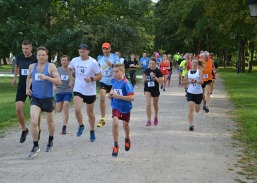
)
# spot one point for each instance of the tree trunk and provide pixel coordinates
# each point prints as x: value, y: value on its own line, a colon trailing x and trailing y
x: 251, y: 59
x: 5, y: 61
x: 243, y: 54
x: 238, y: 65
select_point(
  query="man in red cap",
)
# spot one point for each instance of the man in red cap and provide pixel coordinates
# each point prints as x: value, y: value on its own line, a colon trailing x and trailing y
x: 106, y: 63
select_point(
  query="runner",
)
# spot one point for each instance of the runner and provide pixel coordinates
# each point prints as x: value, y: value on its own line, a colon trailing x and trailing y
x: 22, y: 67
x: 144, y: 62
x: 179, y: 69
x: 42, y: 75
x: 133, y: 65
x: 152, y: 78
x: 194, y: 80
x: 207, y: 78
x: 183, y: 67
x: 106, y: 63
x: 64, y: 91
x: 213, y: 73
x: 87, y: 72
x: 121, y: 95
x: 170, y: 59
x: 164, y: 67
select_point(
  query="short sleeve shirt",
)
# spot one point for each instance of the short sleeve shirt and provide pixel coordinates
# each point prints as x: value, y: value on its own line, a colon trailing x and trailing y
x: 124, y: 88
x: 151, y: 83
x: 23, y: 63
x: 84, y: 69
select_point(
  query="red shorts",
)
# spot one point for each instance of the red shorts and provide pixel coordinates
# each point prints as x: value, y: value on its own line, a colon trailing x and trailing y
x: 121, y: 116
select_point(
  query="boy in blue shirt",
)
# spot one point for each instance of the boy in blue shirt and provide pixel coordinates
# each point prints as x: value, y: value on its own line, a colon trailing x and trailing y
x: 121, y: 95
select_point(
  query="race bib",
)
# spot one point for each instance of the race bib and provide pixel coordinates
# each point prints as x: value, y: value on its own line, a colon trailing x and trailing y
x: 150, y: 84
x: 144, y: 62
x: 118, y: 91
x: 24, y: 72
x: 82, y: 71
x: 37, y: 76
x: 64, y: 77
x: 164, y: 68
x: 205, y: 76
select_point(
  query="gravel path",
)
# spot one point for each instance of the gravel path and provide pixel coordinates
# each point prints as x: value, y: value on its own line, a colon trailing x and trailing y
x: 166, y: 153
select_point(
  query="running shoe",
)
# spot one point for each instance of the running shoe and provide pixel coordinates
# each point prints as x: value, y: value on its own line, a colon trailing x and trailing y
x: 206, y: 109
x: 92, y: 136
x: 127, y: 144
x: 80, y: 131
x: 161, y: 86
x: 148, y: 123
x: 24, y: 135
x: 163, y: 89
x: 101, y: 123
x: 115, y: 151
x: 33, y: 152
x: 64, y: 130
x: 50, y: 146
x: 191, y: 127
x: 39, y: 133
x: 155, y: 121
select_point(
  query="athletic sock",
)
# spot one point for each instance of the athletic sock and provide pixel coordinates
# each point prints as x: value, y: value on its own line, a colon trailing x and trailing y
x: 116, y: 144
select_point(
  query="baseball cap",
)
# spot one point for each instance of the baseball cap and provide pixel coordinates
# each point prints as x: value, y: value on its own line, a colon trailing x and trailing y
x: 84, y: 46
x: 106, y: 45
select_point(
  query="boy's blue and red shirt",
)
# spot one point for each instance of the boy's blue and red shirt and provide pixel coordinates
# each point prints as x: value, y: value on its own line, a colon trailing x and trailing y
x: 124, y: 88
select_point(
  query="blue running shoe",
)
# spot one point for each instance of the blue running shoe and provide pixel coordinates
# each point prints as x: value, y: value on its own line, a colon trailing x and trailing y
x: 92, y: 136
x: 80, y: 131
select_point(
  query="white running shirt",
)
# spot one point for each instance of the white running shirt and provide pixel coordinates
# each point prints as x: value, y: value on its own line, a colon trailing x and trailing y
x: 194, y: 88
x: 84, y: 69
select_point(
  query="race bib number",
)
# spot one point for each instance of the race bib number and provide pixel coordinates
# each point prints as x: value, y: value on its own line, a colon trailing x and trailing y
x: 64, y: 77
x: 118, y: 91
x: 144, y: 62
x: 82, y: 71
x: 205, y: 76
x: 164, y: 68
x: 150, y: 84
x: 37, y: 76
x: 24, y: 72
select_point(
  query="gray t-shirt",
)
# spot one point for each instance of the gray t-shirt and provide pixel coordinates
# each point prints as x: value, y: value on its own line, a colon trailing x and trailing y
x: 64, y: 87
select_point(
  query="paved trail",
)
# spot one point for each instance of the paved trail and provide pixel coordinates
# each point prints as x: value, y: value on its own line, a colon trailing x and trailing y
x: 166, y: 153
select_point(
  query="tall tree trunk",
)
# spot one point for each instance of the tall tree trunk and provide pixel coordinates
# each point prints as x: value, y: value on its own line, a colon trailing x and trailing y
x: 238, y: 66
x: 243, y: 41
x: 251, y: 59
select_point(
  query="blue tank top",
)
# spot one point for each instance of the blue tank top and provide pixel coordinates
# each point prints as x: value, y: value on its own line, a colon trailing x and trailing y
x: 41, y: 89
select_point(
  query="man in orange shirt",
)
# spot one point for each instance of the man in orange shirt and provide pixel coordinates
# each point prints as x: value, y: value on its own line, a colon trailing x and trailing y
x: 207, y: 77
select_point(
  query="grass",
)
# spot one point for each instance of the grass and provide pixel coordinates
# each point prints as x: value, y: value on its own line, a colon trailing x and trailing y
x: 7, y: 105
x: 6, y: 68
x: 242, y: 89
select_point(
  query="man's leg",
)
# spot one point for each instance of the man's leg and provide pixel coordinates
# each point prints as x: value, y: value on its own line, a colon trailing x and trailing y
x: 102, y: 108
x: 20, y: 114
x: 77, y: 106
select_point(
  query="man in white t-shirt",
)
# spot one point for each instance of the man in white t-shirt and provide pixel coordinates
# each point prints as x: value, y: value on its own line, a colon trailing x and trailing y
x: 87, y: 72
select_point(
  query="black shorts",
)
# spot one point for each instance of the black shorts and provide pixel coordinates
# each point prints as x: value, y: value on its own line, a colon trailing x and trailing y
x: 21, y: 93
x: 206, y: 83
x: 46, y: 104
x: 154, y: 92
x: 196, y: 98
x: 86, y: 99
x: 105, y: 87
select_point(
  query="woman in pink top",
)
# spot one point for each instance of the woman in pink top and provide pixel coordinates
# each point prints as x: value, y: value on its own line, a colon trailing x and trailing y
x: 164, y: 67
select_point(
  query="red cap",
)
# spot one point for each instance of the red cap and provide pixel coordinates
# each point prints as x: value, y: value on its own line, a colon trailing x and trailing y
x: 106, y: 45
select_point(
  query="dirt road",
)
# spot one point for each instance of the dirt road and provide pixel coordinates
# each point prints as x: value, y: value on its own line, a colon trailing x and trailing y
x: 166, y: 153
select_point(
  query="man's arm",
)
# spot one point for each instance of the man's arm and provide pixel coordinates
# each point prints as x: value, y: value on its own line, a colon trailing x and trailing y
x: 16, y: 72
x: 29, y: 80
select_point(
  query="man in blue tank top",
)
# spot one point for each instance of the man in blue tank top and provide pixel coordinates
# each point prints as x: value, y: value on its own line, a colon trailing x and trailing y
x: 42, y: 75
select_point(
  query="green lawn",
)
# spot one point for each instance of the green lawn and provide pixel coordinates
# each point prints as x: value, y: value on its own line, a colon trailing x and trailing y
x: 242, y: 90
x: 7, y: 104
x: 6, y: 68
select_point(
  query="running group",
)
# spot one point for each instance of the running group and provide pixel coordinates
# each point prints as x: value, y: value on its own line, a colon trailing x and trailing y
x: 41, y: 80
